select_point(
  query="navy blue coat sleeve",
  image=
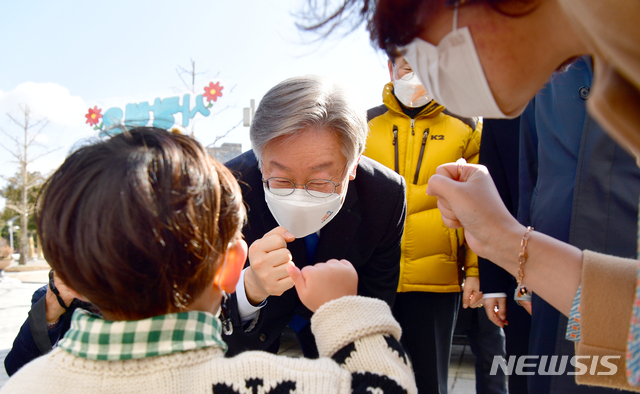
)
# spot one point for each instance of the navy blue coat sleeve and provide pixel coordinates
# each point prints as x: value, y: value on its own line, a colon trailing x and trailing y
x: 25, y: 347
x: 499, y: 153
x: 378, y: 277
x: 528, y: 173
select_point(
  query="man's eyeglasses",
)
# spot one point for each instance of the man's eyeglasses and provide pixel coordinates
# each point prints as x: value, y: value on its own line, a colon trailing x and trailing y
x: 316, y: 187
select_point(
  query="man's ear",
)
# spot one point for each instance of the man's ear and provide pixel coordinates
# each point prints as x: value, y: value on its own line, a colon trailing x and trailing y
x: 228, y: 273
x: 390, y: 65
x: 352, y: 174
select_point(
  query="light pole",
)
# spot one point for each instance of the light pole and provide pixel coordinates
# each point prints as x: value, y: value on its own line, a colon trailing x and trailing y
x: 248, y: 113
x: 10, y: 222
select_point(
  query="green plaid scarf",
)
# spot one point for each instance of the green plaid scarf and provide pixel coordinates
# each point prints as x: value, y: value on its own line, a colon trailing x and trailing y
x: 94, y: 338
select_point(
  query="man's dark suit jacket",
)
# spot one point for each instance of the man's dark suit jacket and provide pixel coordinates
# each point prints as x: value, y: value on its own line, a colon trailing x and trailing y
x: 367, y: 232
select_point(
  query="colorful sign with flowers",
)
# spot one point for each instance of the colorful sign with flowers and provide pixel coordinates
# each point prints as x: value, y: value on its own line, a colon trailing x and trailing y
x: 114, y: 119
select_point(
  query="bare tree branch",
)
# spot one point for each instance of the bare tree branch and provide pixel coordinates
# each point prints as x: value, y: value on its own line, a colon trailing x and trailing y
x: 10, y: 151
x: 18, y: 210
x: 16, y: 141
x: 26, y: 112
x: 219, y: 137
x: 223, y: 109
x: 44, y: 154
x: 24, y: 181
x: 34, y: 183
x: 182, y: 71
x: 14, y: 207
x: 228, y: 106
x: 37, y: 133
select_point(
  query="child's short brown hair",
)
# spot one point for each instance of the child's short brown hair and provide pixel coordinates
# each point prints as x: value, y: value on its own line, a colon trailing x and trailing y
x: 138, y: 223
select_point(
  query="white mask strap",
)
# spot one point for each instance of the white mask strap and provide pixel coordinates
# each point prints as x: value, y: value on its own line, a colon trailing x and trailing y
x: 455, y: 16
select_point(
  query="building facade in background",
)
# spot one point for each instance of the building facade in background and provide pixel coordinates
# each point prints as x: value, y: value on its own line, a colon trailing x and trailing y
x: 225, y: 152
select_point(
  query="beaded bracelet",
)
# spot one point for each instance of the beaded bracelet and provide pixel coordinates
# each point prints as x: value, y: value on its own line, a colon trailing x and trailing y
x: 51, y: 326
x: 522, y: 258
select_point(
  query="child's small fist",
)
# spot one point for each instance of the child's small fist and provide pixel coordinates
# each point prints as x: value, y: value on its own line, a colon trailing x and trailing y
x: 323, y: 282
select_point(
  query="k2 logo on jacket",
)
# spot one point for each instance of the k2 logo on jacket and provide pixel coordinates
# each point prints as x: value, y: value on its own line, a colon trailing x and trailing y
x: 437, y: 137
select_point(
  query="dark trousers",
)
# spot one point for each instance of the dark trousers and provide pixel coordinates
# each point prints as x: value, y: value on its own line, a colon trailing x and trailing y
x: 486, y: 340
x: 517, y: 340
x: 427, y: 321
x: 305, y: 337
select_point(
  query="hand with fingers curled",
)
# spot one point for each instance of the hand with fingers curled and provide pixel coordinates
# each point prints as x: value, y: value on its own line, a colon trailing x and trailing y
x: 471, y: 294
x: 526, y: 305
x: 269, y: 259
x: 54, y: 309
x: 467, y: 197
x: 324, y: 282
x: 496, y: 309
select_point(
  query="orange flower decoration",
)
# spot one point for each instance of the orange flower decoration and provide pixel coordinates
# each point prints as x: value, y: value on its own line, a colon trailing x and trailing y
x: 213, y: 91
x: 94, y: 116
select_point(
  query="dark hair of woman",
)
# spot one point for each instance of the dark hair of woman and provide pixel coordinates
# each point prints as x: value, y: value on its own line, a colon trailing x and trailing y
x: 395, y: 22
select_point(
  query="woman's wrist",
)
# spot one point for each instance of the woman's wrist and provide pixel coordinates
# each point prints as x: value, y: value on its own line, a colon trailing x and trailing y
x: 505, y: 247
x: 52, y: 308
x: 552, y: 269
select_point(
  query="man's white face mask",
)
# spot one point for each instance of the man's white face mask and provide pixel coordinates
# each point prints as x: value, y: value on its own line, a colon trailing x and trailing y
x: 409, y: 90
x: 451, y: 73
x: 301, y: 213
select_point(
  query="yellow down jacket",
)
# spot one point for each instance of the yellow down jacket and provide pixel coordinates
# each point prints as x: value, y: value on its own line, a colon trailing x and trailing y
x: 415, y: 148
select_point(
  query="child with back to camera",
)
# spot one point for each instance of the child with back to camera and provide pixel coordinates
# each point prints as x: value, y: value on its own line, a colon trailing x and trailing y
x: 147, y: 227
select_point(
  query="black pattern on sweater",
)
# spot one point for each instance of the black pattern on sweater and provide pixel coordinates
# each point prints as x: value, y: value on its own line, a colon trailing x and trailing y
x: 370, y: 383
x: 395, y: 345
x: 341, y: 355
x: 253, y: 385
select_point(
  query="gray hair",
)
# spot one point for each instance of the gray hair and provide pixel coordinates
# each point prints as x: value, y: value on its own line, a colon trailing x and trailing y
x: 309, y: 103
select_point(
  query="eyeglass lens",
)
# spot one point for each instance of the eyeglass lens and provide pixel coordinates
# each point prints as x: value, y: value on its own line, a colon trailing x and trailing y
x: 316, y: 188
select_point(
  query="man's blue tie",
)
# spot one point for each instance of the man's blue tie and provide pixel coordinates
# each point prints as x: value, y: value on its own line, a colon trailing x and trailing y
x: 311, y: 243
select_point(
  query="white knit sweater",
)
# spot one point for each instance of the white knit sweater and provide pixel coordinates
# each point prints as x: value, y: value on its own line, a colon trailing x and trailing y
x: 357, y: 338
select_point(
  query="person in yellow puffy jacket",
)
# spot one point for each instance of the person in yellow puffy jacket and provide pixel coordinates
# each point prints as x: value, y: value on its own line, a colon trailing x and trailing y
x: 413, y: 135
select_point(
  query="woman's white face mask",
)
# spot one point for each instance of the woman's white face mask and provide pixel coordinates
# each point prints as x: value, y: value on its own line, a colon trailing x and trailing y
x: 452, y: 74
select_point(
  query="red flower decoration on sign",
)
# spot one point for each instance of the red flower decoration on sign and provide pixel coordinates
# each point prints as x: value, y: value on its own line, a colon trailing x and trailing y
x: 213, y: 91
x: 94, y: 116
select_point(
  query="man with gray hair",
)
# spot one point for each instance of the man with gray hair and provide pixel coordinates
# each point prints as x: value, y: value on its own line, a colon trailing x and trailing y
x: 311, y: 197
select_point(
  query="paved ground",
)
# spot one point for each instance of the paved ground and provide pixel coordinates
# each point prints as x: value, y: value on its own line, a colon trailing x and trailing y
x: 16, y: 289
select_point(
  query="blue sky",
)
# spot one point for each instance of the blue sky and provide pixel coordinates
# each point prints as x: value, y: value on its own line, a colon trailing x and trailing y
x: 62, y: 57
